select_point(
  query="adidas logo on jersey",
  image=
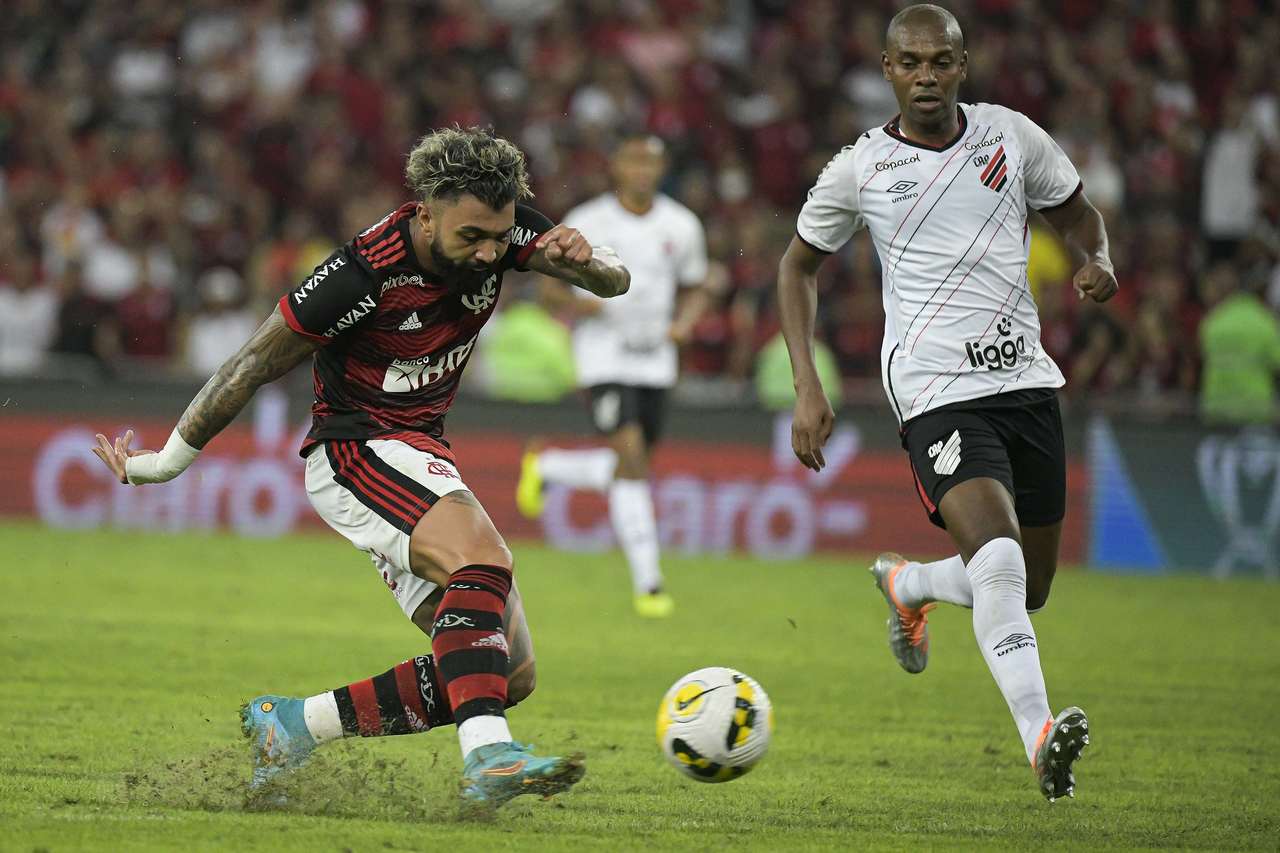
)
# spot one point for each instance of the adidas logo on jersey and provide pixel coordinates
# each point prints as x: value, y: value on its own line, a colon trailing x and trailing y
x: 411, y: 323
x: 946, y: 455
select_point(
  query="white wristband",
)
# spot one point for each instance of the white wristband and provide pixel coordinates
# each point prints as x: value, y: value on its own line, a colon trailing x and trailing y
x: 163, y: 466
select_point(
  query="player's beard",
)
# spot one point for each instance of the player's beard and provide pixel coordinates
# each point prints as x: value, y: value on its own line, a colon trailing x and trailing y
x: 457, y: 274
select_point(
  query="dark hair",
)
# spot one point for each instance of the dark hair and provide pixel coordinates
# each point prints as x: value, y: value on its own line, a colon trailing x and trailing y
x: 454, y: 161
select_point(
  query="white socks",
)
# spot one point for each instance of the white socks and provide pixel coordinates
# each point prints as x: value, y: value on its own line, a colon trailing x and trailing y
x: 946, y: 580
x: 482, y: 731
x: 1005, y: 636
x: 321, y: 715
x: 631, y: 511
x: 579, y: 469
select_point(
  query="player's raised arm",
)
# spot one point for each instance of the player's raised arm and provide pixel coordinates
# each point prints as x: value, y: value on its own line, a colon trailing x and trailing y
x: 272, y: 351
x: 1081, y: 227
x: 798, y: 306
x: 565, y: 254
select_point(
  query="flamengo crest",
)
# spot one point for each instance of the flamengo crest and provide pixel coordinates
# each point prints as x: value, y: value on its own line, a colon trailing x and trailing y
x: 482, y: 300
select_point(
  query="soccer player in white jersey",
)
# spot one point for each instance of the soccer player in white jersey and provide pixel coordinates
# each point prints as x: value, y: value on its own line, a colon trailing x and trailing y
x: 626, y: 354
x: 945, y: 190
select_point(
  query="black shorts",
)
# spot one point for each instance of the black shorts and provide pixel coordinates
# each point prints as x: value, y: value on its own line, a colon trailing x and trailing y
x: 1015, y: 438
x: 614, y: 406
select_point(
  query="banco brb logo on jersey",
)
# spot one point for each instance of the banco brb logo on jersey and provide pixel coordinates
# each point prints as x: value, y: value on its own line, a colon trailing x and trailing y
x: 405, y: 376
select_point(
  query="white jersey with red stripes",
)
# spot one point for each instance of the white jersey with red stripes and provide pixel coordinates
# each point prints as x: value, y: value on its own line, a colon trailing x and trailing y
x: 628, y: 341
x: 950, y: 226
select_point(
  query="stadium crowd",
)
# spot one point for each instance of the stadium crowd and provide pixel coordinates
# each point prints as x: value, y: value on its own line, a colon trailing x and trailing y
x: 168, y: 170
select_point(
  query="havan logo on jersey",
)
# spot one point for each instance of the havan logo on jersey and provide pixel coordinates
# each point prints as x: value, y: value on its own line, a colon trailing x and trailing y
x: 349, y: 319
x: 405, y: 376
x: 320, y: 275
x: 994, y: 356
x: 521, y: 236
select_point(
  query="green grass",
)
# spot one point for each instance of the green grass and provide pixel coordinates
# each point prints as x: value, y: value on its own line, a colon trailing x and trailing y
x: 123, y: 659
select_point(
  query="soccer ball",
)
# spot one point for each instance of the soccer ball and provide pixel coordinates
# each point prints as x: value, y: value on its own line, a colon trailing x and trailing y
x: 714, y: 724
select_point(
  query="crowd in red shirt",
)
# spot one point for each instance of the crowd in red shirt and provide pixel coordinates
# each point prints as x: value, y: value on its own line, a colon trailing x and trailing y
x: 167, y: 170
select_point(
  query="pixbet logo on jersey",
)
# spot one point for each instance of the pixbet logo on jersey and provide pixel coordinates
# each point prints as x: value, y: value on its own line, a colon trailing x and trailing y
x: 1003, y: 353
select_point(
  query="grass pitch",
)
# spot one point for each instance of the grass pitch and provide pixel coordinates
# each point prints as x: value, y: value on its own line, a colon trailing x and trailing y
x: 123, y: 659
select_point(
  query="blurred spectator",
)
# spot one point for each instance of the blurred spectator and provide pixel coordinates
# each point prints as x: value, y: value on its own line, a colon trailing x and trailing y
x: 84, y: 328
x: 221, y: 325
x: 1240, y: 344
x: 1229, y: 194
x: 157, y: 141
x: 145, y: 318
x: 28, y: 318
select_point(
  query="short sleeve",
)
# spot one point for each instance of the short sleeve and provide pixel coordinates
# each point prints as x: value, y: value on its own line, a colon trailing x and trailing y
x: 692, y: 268
x: 831, y: 214
x: 335, y: 297
x: 1049, y: 178
x: 530, y: 225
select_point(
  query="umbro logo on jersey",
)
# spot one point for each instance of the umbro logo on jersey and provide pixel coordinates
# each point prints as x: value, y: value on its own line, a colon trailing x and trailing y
x: 900, y: 187
x: 946, y: 455
x: 411, y: 323
x: 996, y: 173
x: 1012, y: 643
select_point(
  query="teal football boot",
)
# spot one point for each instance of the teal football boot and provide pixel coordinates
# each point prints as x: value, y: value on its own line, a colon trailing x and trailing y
x: 497, y: 772
x: 276, y: 727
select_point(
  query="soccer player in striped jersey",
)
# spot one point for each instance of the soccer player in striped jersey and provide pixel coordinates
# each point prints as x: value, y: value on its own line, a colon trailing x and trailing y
x: 945, y: 190
x: 390, y: 320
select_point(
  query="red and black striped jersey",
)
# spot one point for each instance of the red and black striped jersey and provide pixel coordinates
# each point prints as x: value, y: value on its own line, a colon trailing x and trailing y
x: 396, y: 338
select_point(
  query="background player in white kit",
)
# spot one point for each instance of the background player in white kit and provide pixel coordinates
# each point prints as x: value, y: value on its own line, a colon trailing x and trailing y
x: 626, y: 353
x: 944, y: 190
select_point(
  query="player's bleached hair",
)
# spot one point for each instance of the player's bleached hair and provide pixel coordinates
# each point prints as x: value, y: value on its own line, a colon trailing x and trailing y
x: 454, y: 161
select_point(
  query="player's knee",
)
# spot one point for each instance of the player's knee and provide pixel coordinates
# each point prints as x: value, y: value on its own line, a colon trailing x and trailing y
x: 442, y: 559
x: 520, y: 685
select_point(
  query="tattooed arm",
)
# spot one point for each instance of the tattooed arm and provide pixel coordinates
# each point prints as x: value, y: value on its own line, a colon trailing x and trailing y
x: 273, y: 351
x: 565, y: 254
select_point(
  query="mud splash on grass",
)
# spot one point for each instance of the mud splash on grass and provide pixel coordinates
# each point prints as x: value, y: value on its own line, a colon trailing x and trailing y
x: 343, y: 780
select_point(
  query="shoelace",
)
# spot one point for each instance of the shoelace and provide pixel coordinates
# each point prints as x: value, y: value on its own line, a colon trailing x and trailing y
x: 914, y: 622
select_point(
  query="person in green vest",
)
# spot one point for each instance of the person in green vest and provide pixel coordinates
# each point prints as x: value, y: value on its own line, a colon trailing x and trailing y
x: 774, y: 386
x: 529, y: 354
x: 1240, y: 347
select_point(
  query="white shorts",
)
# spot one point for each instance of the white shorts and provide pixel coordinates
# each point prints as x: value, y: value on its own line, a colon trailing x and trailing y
x: 374, y: 493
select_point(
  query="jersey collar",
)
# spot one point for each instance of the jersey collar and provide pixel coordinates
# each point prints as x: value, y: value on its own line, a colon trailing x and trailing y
x: 892, y: 129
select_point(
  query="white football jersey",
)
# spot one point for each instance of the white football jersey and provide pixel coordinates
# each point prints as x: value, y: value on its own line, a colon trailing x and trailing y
x: 950, y: 226
x: 664, y: 249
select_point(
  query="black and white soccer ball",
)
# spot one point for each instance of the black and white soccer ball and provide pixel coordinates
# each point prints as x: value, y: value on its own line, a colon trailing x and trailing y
x: 715, y: 724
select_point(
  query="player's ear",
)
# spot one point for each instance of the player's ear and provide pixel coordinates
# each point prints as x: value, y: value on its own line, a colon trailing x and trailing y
x: 885, y: 65
x: 425, y: 221
x: 964, y: 65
